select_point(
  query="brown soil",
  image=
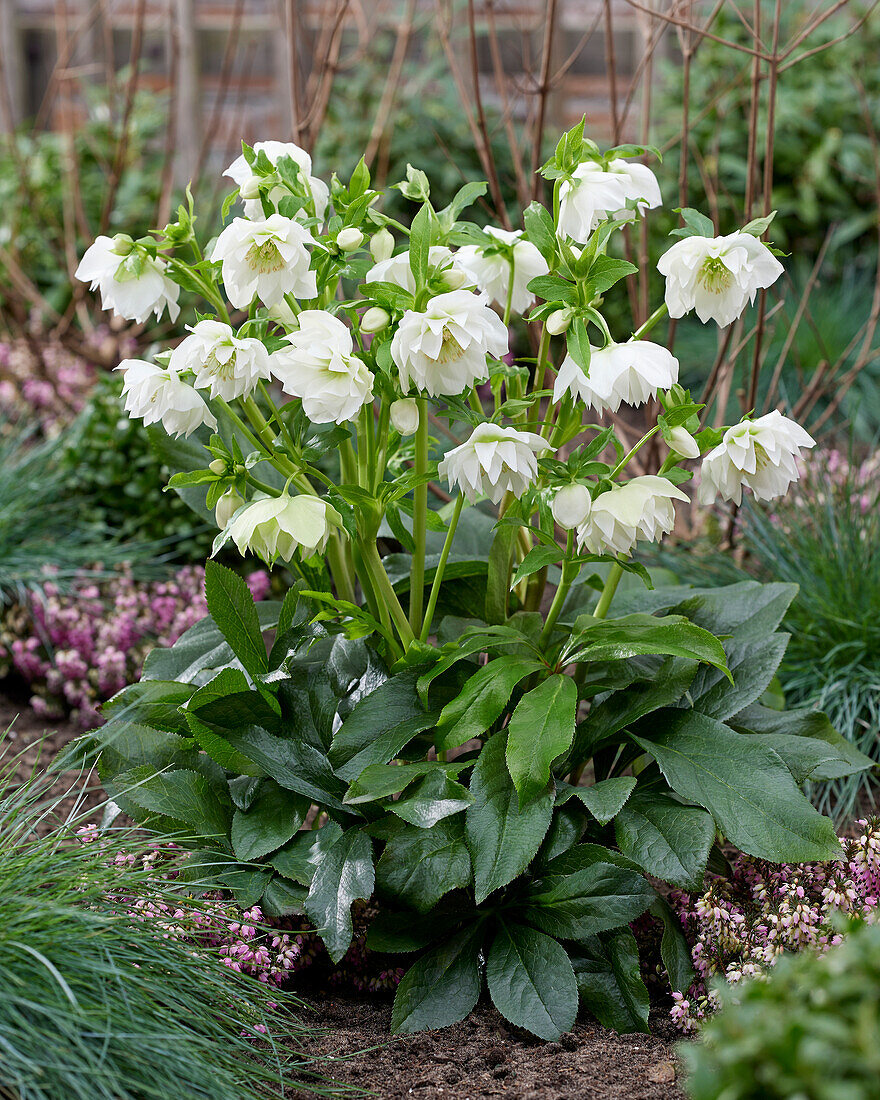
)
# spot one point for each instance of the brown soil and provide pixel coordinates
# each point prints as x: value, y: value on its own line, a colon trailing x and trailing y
x: 484, y: 1056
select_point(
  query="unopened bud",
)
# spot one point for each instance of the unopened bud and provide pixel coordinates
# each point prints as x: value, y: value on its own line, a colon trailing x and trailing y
x: 558, y: 321
x: 250, y: 189
x: 382, y: 245
x: 349, y: 239
x: 283, y: 315
x: 683, y: 443
x: 227, y: 506
x: 405, y: 415
x: 571, y: 505
x: 217, y: 466
x: 455, y: 278
x: 375, y: 319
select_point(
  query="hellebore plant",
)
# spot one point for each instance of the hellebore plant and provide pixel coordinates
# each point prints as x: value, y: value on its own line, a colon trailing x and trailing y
x: 500, y: 771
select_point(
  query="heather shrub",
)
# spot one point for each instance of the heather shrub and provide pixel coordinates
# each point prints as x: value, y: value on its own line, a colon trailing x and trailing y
x: 811, y: 1030
x: 78, y: 646
x: 744, y: 921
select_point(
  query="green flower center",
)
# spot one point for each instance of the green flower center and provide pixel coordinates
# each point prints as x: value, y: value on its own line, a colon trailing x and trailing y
x: 715, y: 276
x: 265, y: 257
x: 224, y: 371
x: 450, y: 349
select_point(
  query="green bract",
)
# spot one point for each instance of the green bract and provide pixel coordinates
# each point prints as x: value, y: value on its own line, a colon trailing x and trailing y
x: 504, y: 774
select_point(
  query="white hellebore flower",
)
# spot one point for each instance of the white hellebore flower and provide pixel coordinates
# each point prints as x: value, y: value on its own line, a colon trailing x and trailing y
x: 571, y: 505
x: 640, y: 508
x: 630, y: 373
x: 444, y: 349
x: 240, y: 172
x: 267, y: 258
x: 639, y: 185
x: 319, y: 368
x: 717, y: 276
x: 590, y: 198
x: 404, y: 415
x: 231, y: 367
x: 759, y: 454
x: 491, y: 272
x: 156, y: 394
x: 396, y: 269
x: 494, y: 461
x: 276, y: 527
x: 133, y: 284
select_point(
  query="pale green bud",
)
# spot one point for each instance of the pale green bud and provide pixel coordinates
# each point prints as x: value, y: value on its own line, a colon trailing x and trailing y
x: 558, y: 321
x: 455, y: 279
x: 405, y: 415
x: 683, y: 443
x: 571, y: 505
x: 227, y: 506
x: 250, y: 189
x: 217, y: 466
x: 382, y: 245
x: 375, y: 319
x: 349, y: 239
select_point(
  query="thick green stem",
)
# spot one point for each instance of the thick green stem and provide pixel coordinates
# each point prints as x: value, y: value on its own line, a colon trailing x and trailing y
x: 384, y: 591
x: 620, y: 465
x: 569, y: 573
x: 540, y: 370
x: 339, y: 570
x: 420, y: 522
x: 441, y: 568
x: 659, y: 313
x: 607, y: 595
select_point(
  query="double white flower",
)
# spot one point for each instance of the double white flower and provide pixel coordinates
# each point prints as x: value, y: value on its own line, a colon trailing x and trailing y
x: 597, y: 193
x: 443, y: 350
x: 494, y: 461
x: 156, y: 394
x: 717, y: 276
x: 133, y: 284
x: 240, y: 172
x: 397, y: 270
x: 641, y: 508
x: 220, y: 360
x: 319, y: 368
x: 630, y: 374
x: 266, y: 258
x: 758, y: 454
x: 491, y: 271
x: 276, y: 527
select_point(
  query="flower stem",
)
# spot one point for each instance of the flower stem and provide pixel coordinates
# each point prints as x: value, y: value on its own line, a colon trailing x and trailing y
x: 540, y: 370
x: 565, y: 582
x: 620, y: 465
x: 607, y: 595
x: 441, y: 567
x: 659, y: 313
x: 385, y: 592
x: 420, y: 522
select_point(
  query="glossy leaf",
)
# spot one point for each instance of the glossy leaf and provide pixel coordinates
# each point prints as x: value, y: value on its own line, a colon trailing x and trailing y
x: 344, y: 874
x: 232, y: 608
x: 272, y: 818
x: 585, y: 902
x: 604, y: 799
x: 531, y: 981
x: 419, y: 866
x: 609, y: 981
x: 441, y: 987
x: 541, y: 729
x: 668, y: 840
x: 482, y: 700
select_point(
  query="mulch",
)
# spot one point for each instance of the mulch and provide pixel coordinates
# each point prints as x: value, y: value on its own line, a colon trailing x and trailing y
x: 483, y: 1056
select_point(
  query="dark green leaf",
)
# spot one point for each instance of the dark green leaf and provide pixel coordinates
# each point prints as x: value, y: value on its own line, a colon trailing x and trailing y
x: 344, y: 874
x: 531, y: 981
x: 539, y: 557
x: 604, y: 799
x: 587, y: 901
x: 482, y: 699
x: 631, y: 635
x: 674, y: 949
x: 271, y: 820
x: 609, y: 981
x: 752, y: 664
x: 436, y: 797
x: 742, y: 783
x: 541, y: 729
x: 184, y: 796
x: 298, y: 859
x: 502, y: 837
x: 668, y: 840
x: 441, y: 987
x: 402, y: 932
x: 419, y: 866
x: 232, y: 608
x: 381, y: 780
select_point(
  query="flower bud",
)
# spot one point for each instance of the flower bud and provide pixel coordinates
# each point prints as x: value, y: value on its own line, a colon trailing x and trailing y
x: 217, y: 466
x: 683, y: 443
x: 558, y: 321
x: 282, y: 314
x: 571, y: 505
x: 250, y: 189
x: 405, y: 415
x: 122, y: 244
x: 227, y: 506
x: 375, y: 319
x: 455, y: 278
x: 349, y: 239
x: 382, y: 246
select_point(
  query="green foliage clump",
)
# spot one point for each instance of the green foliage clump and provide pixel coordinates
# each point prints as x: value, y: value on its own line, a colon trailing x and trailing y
x: 97, y: 1005
x: 110, y: 460
x: 811, y: 1030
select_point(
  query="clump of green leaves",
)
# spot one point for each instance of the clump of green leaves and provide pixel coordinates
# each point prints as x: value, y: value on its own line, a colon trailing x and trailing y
x: 811, y: 1029
x: 96, y: 1005
x: 451, y: 784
